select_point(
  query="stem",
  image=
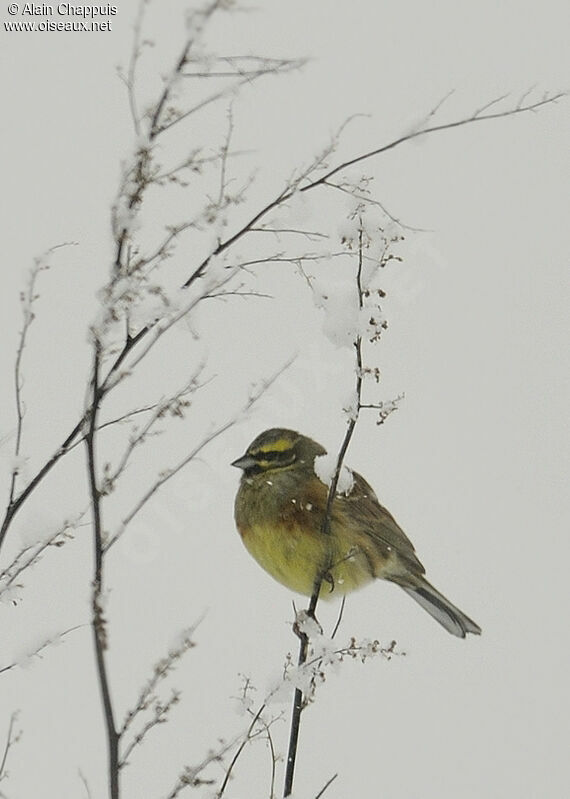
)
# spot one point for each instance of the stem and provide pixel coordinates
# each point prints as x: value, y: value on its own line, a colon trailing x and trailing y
x: 98, y: 622
x: 9, y: 743
x: 298, y: 701
x: 14, y: 506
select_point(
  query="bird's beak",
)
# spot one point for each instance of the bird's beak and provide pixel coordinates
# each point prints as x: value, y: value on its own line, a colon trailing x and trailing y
x: 245, y: 462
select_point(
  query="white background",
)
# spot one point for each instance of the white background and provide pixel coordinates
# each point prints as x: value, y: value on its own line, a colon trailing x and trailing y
x: 473, y: 465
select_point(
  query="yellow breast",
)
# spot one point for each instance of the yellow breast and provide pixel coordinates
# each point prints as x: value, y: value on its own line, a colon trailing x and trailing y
x: 295, y: 555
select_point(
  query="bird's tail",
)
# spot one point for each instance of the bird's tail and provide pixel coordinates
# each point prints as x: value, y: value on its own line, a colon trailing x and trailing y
x: 450, y: 617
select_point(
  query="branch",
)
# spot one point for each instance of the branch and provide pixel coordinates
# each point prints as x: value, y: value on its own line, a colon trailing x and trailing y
x: 175, y: 405
x: 148, y: 698
x: 30, y: 555
x: 478, y: 116
x: 98, y: 622
x: 232, y: 89
x: 327, y: 784
x: 27, y: 299
x: 265, y: 66
x: 292, y: 188
x: 241, y: 747
x: 324, y: 572
x: 36, y: 652
x: 190, y: 776
x: 83, y: 779
x: 11, y: 739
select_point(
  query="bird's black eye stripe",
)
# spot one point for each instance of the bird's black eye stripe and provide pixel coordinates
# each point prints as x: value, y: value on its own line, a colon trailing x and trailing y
x: 275, y: 456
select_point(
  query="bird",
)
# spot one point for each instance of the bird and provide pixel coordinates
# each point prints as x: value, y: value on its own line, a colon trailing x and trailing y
x: 280, y: 508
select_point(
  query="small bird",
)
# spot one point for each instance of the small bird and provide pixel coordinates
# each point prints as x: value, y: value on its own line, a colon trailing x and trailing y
x: 279, y: 513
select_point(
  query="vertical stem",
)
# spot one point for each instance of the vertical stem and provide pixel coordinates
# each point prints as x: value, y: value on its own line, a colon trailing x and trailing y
x: 298, y: 702
x: 298, y: 698
x: 98, y: 623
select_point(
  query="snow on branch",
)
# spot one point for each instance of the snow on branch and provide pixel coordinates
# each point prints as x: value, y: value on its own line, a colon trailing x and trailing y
x: 31, y: 554
x: 148, y: 702
x: 35, y: 651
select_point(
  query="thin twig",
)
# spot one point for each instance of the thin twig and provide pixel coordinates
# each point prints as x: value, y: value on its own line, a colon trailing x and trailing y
x: 339, y: 617
x: 83, y: 779
x: 175, y: 405
x: 40, y: 648
x: 10, y: 741
x: 117, y: 420
x: 18, y: 501
x: 241, y: 747
x: 31, y: 554
x: 189, y: 777
x: 147, y: 696
x: 135, y: 56
x: 327, y: 784
x: 229, y: 91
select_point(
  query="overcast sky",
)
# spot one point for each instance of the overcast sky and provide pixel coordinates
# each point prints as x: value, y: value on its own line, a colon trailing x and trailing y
x: 473, y: 464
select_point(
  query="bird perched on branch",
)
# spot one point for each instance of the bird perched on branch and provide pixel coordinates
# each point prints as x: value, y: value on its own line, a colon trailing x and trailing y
x: 280, y: 511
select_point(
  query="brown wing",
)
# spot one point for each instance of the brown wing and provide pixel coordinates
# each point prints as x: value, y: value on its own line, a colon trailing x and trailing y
x: 378, y: 523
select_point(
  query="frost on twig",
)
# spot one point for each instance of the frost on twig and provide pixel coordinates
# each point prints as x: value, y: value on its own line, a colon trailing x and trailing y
x: 359, y: 317
x: 153, y: 709
x: 28, y: 298
x: 31, y: 554
x: 198, y: 775
x: 135, y: 291
x: 35, y: 651
x: 323, y: 655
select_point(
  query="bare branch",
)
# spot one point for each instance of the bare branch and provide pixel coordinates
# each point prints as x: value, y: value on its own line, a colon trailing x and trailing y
x: 478, y: 116
x: 83, y: 779
x: 136, y: 52
x: 231, y: 90
x: 125, y: 417
x: 18, y: 501
x: 11, y: 739
x: 246, y: 739
x: 295, y: 184
x: 98, y: 623
x: 37, y: 650
x: 310, y: 234
x: 327, y: 784
x: 175, y: 405
x: 190, y: 776
x: 253, y: 66
x: 300, y: 699
x: 339, y: 617
x: 147, y: 696
x: 30, y: 555
x: 161, y: 711
x: 28, y: 298
x: 352, y: 192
